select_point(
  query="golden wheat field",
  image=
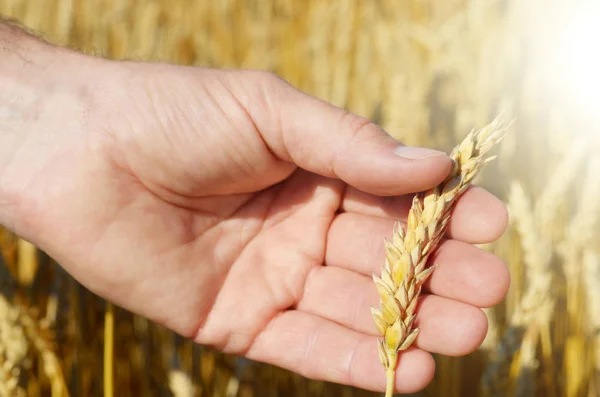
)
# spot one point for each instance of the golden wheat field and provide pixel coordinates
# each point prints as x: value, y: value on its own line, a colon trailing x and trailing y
x: 428, y: 71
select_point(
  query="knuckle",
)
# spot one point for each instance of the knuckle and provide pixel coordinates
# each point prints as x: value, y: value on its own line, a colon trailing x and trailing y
x: 266, y: 90
x: 359, y: 127
x: 270, y: 78
x: 267, y: 82
x: 356, y: 129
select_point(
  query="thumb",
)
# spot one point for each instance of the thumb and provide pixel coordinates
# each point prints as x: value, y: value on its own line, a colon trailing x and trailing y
x: 332, y: 142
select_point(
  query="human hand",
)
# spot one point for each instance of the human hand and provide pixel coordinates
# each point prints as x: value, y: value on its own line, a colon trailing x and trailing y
x: 238, y: 211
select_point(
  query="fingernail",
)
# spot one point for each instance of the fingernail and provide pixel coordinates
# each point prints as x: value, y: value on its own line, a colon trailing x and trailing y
x: 417, y: 153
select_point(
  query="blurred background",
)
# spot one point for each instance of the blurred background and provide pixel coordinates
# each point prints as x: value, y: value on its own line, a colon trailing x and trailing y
x: 428, y: 71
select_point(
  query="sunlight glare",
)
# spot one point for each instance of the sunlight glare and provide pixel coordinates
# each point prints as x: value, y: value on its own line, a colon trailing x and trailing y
x: 578, y: 54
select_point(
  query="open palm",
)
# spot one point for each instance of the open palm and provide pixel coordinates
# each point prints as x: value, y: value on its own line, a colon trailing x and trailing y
x: 242, y: 213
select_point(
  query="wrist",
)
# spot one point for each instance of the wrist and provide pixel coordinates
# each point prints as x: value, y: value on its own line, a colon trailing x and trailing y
x: 14, y: 105
x: 35, y: 93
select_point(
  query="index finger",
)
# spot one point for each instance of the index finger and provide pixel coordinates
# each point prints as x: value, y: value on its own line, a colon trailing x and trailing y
x: 478, y: 217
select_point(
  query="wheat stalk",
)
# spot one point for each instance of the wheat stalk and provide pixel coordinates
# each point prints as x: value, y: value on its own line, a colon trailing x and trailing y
x: 404, y: 271
x: 109, y: 335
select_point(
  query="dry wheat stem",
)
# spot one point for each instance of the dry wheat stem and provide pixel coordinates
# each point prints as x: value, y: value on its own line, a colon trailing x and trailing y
x: 404, y: 271
x: 109, y: 331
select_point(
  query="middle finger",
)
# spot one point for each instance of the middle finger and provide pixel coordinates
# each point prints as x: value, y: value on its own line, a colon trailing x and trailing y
x: 478, y: 216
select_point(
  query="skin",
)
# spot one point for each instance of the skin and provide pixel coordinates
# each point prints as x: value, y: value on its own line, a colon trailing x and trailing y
x: 233, y: 209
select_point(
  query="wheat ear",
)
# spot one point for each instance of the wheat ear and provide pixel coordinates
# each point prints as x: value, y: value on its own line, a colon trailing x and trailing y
x: 404, y: 271
x: 14, y: 350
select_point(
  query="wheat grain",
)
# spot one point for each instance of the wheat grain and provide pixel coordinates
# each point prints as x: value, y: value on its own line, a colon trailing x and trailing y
x: 404, y: 271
